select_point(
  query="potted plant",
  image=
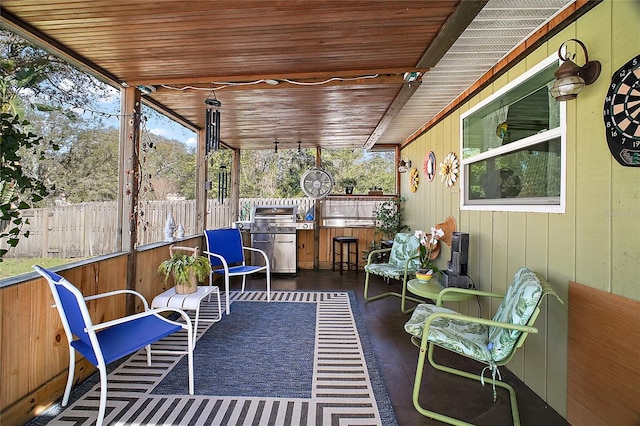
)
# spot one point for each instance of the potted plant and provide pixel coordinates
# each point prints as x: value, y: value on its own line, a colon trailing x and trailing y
x: 186, y: 269
x: 428, y: 251
x: 388, y: 217
x: 348, y: 184
x: 376, y: 190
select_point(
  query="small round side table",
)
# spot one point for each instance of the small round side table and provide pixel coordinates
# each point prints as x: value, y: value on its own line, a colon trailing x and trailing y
x: 432, y: 288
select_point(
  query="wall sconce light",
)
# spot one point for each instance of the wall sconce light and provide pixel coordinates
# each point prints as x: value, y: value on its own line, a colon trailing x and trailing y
x: 212, y: 124
x: 571, y: 78
x: 404, y: 166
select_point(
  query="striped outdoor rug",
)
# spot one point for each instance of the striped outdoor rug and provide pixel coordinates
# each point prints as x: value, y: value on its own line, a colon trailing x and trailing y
x: 261, y: 365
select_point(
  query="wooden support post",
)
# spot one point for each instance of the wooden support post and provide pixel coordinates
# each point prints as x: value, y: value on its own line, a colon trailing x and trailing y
x: 201, y: 183
x: 317, y: 219
x: 129, y: 183
x: 234, y: 199
x: 397, y: 161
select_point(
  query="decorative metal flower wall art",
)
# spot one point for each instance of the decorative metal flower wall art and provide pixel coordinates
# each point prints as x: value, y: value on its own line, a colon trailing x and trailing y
x: 449, y: 169
x: 414, y: 179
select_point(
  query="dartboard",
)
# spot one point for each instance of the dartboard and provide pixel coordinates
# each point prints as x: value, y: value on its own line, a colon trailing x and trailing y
x: 622, y: 114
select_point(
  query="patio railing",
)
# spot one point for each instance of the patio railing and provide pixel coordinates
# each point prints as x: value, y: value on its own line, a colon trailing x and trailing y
x: 89, y: 229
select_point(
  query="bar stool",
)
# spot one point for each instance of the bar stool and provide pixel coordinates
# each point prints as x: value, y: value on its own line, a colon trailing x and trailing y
x: 340, y: 243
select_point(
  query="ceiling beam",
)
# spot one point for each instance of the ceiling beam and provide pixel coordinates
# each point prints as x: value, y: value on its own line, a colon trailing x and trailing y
x: 455, y: 25
x: 459, y: 20
x: 398, y: 103
x: 164, y: 110
x: 294, y: 76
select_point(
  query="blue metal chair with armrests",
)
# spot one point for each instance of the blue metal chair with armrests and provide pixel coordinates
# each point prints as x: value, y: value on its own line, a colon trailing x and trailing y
x: 226, y: 253
x: 103, y: 343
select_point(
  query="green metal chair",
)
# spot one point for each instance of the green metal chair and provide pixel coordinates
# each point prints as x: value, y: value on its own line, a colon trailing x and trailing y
x: 402, y: 265
x: 491, y: 342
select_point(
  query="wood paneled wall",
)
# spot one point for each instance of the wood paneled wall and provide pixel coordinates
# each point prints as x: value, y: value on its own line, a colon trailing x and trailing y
x: 33, y: 347
x: 305, y: 249
x: 364, y: 236
x: 604, y: 358
x: 305, y: 245
x: 33, y: 343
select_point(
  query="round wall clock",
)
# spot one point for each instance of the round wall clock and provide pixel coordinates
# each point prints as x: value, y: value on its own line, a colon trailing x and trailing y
x: 414, y: 179
x: 429, y: 166
x: 622, y: 114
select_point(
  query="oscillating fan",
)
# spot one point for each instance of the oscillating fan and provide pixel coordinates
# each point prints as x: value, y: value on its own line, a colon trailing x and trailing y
x: 316, y: 183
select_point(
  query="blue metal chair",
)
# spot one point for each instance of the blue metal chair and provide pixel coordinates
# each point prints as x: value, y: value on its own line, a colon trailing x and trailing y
x: 226, y: 253
x: 106, y: 342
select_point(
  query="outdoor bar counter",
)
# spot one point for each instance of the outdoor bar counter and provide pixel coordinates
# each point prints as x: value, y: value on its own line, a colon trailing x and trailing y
x: 339, y: 215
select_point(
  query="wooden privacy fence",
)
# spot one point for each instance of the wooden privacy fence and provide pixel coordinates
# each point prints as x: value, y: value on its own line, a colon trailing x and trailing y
x: 89, y: 229
x: 79, y: 230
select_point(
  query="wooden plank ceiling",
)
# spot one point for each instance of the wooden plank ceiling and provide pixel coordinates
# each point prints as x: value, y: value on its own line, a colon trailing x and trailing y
x: 328, y: 73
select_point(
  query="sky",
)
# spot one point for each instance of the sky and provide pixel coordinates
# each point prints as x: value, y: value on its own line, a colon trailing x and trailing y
x: 169, y: 129
x: 156, y: 123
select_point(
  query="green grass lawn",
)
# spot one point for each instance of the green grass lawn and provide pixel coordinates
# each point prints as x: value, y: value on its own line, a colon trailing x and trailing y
x: 12, y: 267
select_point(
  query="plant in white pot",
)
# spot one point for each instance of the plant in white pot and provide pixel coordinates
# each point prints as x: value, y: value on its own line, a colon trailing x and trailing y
x: 187, y: 270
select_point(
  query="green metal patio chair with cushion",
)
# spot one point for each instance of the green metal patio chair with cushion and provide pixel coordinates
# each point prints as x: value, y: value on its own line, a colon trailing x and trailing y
x: 402, y: 265
x: 491, y: 342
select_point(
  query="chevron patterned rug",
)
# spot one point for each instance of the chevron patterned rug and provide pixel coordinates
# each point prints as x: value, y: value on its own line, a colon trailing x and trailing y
x: 303, y: 359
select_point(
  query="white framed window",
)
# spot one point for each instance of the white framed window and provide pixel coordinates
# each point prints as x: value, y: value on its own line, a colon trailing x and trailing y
x: 513, y: 147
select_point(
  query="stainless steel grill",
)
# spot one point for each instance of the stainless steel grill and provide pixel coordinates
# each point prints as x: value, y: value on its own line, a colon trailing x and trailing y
x: 273, y: 229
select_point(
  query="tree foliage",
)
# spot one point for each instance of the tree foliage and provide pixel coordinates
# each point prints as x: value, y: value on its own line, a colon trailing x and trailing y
x: 19, y: 189
x: 267, y: 174
x: 44, y: 80
x: 273, y: 175
x: 369, y: 169
x: 88, y: 169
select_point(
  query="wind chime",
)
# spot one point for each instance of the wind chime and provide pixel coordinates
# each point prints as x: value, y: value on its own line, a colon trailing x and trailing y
x: 212, y: 136
x: 223, y: 183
